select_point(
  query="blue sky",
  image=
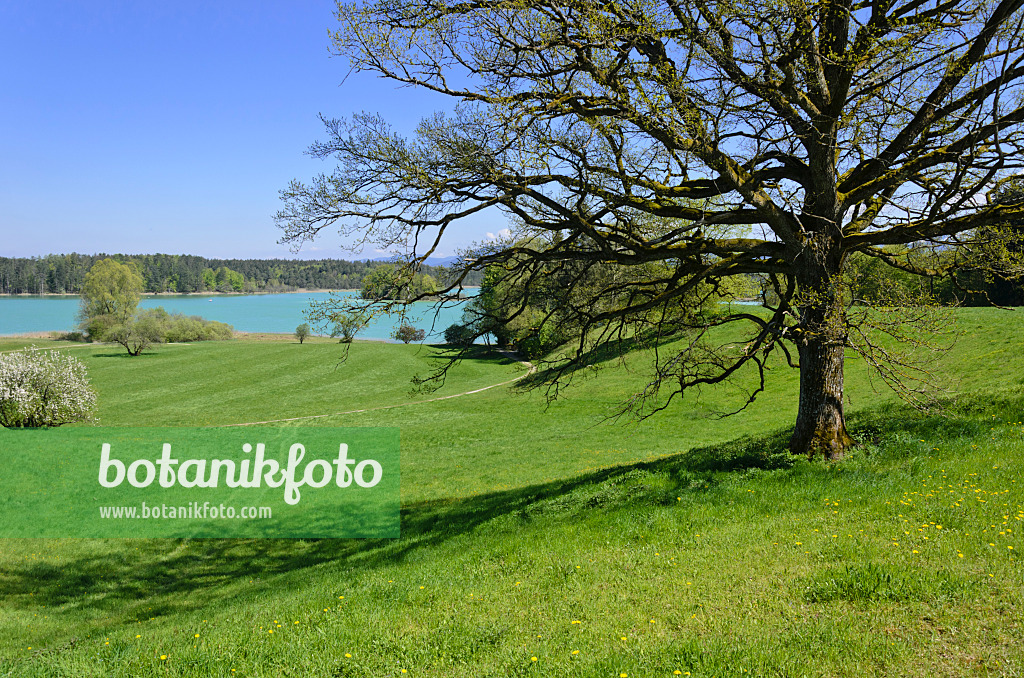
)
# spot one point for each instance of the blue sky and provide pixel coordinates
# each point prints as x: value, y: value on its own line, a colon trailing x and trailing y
x: 145, y: 127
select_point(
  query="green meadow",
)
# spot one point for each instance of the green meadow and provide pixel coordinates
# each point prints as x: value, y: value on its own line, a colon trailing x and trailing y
x: 548, y: 539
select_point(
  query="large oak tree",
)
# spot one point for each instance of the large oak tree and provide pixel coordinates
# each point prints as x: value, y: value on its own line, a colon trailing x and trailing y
x: 648, y: 149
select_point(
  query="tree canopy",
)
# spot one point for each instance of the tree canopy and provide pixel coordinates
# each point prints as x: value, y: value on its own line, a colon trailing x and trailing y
x: 111, y: 289
x: 647, y: 151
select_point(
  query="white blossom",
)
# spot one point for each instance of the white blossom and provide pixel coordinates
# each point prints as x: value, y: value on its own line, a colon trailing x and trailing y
x: 43, y: 388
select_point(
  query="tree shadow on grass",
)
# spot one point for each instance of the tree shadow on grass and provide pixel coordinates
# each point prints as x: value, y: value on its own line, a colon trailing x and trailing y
x: 594, y: 357
x: 597, y: 356
x: 145, y: 578
x: 125, y: 581
x: 444, y: 358
x: 475, y: 353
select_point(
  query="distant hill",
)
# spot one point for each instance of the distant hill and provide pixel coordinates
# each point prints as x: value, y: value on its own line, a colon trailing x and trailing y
x: 441, y: 261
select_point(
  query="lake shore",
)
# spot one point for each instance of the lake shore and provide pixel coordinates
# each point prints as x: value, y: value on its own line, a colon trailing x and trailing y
x: 157, y: 295
x: 29, y: 335
x: 301, y: 290
x: 262, y: 337
x: 271, y: 313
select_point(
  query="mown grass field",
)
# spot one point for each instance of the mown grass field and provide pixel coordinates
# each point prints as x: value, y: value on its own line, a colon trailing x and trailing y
x: 540, y: 541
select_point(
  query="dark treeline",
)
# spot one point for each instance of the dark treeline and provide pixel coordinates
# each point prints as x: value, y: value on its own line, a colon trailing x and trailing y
x: 186, y: 274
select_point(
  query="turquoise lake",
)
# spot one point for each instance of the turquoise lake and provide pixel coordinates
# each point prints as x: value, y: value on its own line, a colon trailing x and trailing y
x: 246, y: 313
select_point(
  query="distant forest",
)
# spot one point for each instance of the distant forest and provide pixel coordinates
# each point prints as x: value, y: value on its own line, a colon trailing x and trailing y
x: 186, y: 274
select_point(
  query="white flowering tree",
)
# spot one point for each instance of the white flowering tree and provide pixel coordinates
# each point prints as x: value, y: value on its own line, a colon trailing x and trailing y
x: 43, y: 388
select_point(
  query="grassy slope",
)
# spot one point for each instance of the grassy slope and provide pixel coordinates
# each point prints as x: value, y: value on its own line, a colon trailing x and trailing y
x: 234, y: 382
x: 728, y: 549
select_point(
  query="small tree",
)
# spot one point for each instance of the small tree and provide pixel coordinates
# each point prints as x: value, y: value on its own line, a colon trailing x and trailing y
x: 347, y: 325
x: 407, y: 333
x: 43, y: 388
x: 139, y: 332
x: 301, y: 332
x: 110, y: 294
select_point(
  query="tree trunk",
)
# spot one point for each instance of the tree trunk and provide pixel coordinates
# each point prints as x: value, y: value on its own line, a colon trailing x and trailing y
x: 821, y: 338
x: 820, y: 423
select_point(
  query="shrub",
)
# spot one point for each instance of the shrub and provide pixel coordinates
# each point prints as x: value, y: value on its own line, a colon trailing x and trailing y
x: 459, y: 335
x: 182, y: 329
x: 96, y: 327
x: 540, y: 341
x: 74, y: 335
x: 406, y: 333
x: 43, y: 388
x: 347, y: 326
x: 156, y: 325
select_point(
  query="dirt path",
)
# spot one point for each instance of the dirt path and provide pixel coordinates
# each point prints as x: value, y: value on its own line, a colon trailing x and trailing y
x: 531, y: 368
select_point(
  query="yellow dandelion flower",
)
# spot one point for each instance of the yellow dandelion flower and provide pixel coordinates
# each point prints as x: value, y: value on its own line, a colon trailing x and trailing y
x: 163, y: 656
x: 533, y: 659
x: 574, y: 651
x: 348, y: 656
